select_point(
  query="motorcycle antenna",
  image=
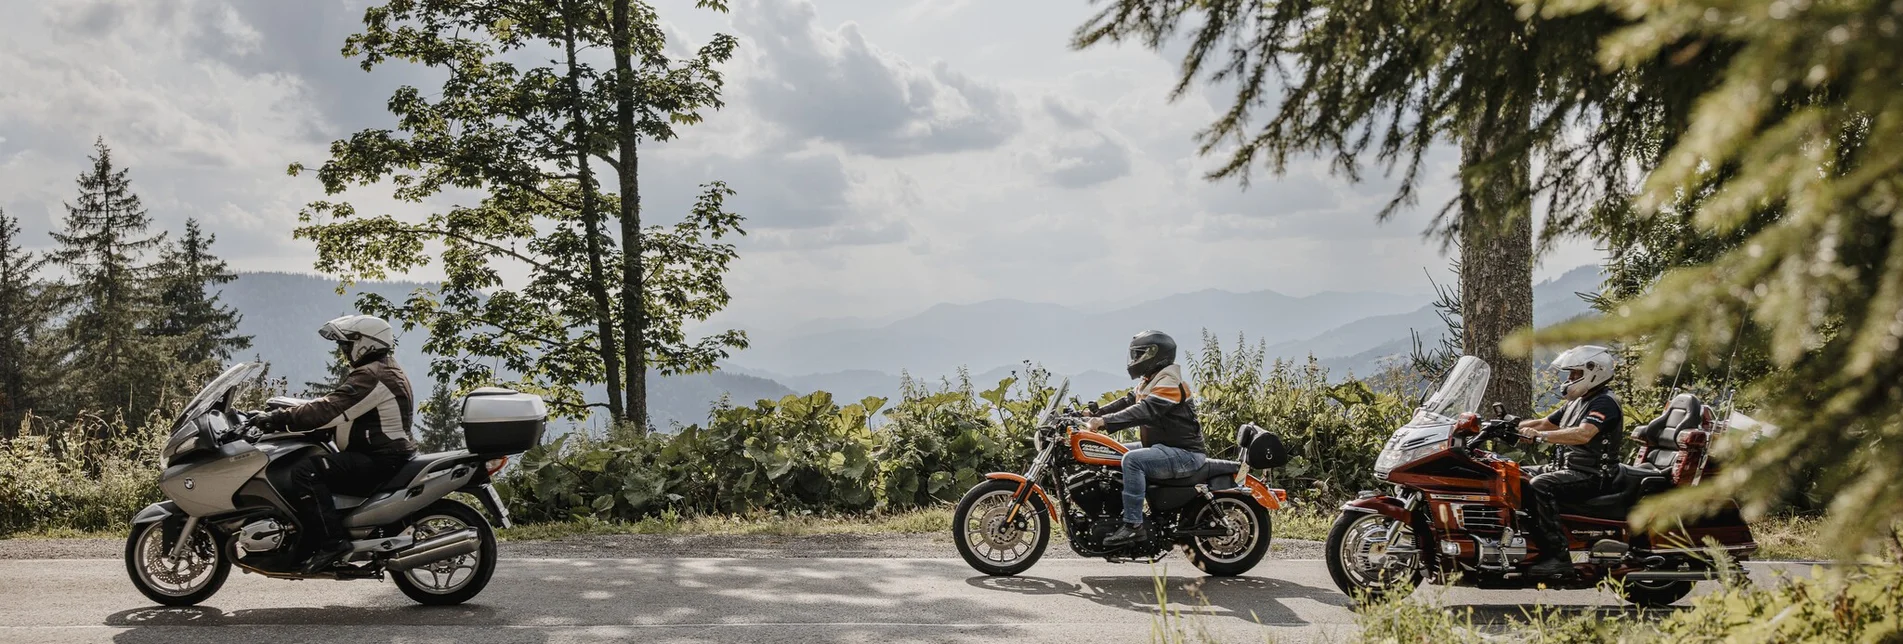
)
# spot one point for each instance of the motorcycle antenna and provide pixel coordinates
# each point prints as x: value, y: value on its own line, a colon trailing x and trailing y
x: 1731, y: 364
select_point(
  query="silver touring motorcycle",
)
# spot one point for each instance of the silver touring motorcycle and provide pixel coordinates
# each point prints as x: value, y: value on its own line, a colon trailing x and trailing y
x: 224, y: 506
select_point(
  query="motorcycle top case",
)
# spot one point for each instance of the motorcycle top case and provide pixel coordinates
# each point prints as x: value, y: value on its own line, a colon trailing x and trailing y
x: 503, y: 421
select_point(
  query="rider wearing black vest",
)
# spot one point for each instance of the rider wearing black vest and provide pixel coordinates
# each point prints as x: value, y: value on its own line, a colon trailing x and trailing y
x: 1585, y: 434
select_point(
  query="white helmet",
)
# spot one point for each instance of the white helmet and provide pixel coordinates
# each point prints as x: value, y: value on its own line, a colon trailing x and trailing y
x: 359, y: 335
x: 1586, y: 366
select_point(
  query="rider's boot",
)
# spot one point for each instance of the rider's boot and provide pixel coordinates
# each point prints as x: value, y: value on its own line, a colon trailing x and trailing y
x: 1127, y: 534
x: 1551, y: 566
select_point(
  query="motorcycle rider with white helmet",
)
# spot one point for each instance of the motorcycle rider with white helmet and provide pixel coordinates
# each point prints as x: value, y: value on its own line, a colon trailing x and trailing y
x: 370, y: 413
x: 1585, y: 433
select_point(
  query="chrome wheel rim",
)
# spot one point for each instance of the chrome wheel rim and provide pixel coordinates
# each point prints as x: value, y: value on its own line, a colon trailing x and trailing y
x: 994, y: 539
x: 449, y: 575
x: 1229, y: 513
x: 177, y: 576
x: 1370, y: 561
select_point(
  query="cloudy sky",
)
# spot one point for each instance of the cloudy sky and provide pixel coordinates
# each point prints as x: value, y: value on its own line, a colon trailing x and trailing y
x: 889, y: 154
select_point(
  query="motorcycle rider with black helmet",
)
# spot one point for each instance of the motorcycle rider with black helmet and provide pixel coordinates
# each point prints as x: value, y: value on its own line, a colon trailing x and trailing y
x: 370, y: 413
x: 1585, y: 433
x: 1171, y: 444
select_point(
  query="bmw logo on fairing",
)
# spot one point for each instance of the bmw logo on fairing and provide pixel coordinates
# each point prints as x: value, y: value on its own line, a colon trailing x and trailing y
x: 188, y: 484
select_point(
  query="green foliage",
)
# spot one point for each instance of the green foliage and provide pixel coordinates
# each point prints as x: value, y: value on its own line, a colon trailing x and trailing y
x: 23, y: 322
x: 441, y: 429
x: 942, y: 442
x: 1332, y: 431
x: 1853, y: 605
x: 86, y: 474
x: 1786, y: 161
x: 528, y: 140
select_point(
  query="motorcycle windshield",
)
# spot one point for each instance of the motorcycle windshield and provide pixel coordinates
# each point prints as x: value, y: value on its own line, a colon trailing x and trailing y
x: 230, y: 383
x: 1461, y: 391
x: 1057, y: 398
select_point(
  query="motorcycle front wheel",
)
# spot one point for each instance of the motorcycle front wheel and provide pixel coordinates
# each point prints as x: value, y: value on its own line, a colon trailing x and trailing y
x: 457, y: 579
x: 990, y: 539
x: 185, y: 580
x: 1360, y: 561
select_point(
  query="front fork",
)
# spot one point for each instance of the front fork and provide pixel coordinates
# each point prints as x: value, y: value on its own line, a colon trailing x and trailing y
x: 1023, y: 497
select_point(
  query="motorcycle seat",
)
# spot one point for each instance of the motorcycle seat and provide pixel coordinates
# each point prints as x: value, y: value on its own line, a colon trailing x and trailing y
x: 1633, y: 482
x: 1211, y: 468
x: 417, y: 465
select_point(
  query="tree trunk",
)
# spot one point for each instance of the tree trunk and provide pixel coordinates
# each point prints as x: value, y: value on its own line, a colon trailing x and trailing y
x: 591, y: 223
x: 633, y: 294
x: 1496, y: 241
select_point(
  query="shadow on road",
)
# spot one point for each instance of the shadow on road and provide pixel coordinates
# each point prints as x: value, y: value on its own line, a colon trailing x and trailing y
x: 1253, y: 599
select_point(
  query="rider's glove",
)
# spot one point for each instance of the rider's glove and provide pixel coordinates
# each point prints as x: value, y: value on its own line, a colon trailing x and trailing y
x: 268, y: 421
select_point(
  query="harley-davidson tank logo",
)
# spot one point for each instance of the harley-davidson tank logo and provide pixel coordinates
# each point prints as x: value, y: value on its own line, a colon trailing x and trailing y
x: 1094, y: 450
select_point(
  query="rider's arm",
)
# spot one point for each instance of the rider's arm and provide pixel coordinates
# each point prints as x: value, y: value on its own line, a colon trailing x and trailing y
x: 1537, y: 425
x: 1600, y: 414
x: 357, y: 394
x: 1118, y: 405
x: 1164, y: 395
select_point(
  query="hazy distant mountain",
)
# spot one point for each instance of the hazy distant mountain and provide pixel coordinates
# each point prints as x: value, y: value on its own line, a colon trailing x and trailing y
x: 1006, y: 332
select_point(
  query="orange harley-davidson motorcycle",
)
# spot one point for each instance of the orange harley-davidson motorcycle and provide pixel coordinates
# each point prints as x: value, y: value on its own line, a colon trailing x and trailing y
x: 1456, y: 516
x: 1219, y: 515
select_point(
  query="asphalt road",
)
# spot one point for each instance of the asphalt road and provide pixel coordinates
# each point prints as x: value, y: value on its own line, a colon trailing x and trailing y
x: 726, y: 600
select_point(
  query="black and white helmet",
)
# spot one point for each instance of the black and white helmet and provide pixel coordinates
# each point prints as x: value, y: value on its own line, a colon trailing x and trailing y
x: 1150, y: 351
x: 359, y: 335
x: 1585, y: 367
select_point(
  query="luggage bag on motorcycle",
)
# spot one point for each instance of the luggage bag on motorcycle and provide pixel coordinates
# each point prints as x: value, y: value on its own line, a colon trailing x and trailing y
x: 502, y: 421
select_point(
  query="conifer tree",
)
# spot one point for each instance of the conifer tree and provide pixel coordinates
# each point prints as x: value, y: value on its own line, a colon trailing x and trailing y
x: 442, y: 421
x: 189, y: 309
x: 22, y: 321
x: 107, y: 296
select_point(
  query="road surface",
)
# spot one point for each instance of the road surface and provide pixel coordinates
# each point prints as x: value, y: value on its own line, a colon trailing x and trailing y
x: 724, y: 600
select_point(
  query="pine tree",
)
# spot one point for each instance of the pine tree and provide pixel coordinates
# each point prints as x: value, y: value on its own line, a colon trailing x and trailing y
x: 22, y: 322
x: 442, y: 421
x: 189, y: 310
x: 108, y: 296
x: 339, y: 367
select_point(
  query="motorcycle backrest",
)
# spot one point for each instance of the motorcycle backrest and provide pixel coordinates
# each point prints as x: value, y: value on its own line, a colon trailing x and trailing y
x: 1684, y: 412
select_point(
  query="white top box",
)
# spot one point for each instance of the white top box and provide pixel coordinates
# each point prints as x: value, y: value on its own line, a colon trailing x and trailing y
x: 499, y: 405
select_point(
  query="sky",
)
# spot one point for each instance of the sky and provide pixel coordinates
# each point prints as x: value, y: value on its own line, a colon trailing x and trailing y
x: 889, y: 155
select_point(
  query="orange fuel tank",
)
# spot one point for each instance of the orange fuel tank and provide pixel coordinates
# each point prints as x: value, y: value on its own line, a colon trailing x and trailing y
x: 1093, y: 448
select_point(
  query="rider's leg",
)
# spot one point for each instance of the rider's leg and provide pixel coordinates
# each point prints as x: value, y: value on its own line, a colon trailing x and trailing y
x: 327, y: 540
x: 1138, y: 464
x: 1548, y: 533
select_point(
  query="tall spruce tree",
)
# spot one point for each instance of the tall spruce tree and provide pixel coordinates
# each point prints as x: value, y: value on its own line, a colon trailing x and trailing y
x: 442, y: 421
x: 189, y: 310
x: 108, y: 297
x: 22, y: 323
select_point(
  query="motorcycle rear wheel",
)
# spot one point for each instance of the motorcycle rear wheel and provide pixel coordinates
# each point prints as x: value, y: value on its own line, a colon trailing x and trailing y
x: 204, y: 558
x: 1237, y: 553
x: 989, y: 543
x: 437, y: 584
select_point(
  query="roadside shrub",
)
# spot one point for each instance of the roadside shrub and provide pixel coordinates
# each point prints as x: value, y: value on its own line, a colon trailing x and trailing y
x: 84, y: 474
x: 1333, y: 431
x: 941, y: 442
x: 1846, y: 605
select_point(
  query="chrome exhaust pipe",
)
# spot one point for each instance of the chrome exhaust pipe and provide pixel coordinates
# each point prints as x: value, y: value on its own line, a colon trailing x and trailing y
x: 1674, y: 575
x: 437, y: 548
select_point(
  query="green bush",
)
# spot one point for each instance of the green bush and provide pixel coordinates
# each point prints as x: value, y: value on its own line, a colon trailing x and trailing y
x: 85, y: 474
x: 1333, y: 431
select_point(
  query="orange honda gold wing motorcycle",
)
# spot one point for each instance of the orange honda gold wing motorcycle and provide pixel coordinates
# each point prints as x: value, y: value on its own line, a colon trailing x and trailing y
x: 1219, y: 515
x: 1456, y: 516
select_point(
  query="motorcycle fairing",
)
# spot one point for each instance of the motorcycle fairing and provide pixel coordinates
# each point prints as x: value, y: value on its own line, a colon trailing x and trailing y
x: 1386, y: 506
x: 207, y: 485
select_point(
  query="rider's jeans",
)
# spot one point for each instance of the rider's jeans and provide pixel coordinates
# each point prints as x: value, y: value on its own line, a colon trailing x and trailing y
x: 1158, y: 461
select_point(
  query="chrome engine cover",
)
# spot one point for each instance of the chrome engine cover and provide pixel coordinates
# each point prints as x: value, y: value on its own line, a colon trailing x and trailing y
x: 261, y: 536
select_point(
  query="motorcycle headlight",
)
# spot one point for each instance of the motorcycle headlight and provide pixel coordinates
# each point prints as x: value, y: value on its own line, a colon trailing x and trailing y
x: 1396, y: 454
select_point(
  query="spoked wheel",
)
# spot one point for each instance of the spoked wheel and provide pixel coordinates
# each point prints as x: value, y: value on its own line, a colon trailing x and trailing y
x: 1370, y: 561
x: 185, y: 580
x: 1244, y: 546
x: 457, y: 579
x: 990, y: 538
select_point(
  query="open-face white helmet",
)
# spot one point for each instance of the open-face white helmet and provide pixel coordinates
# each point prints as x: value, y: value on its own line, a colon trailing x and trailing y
x: 359, y: 335
x: 1585, y: 367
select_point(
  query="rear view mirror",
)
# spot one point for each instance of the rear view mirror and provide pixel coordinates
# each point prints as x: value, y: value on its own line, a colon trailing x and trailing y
x: 1499, y: 410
